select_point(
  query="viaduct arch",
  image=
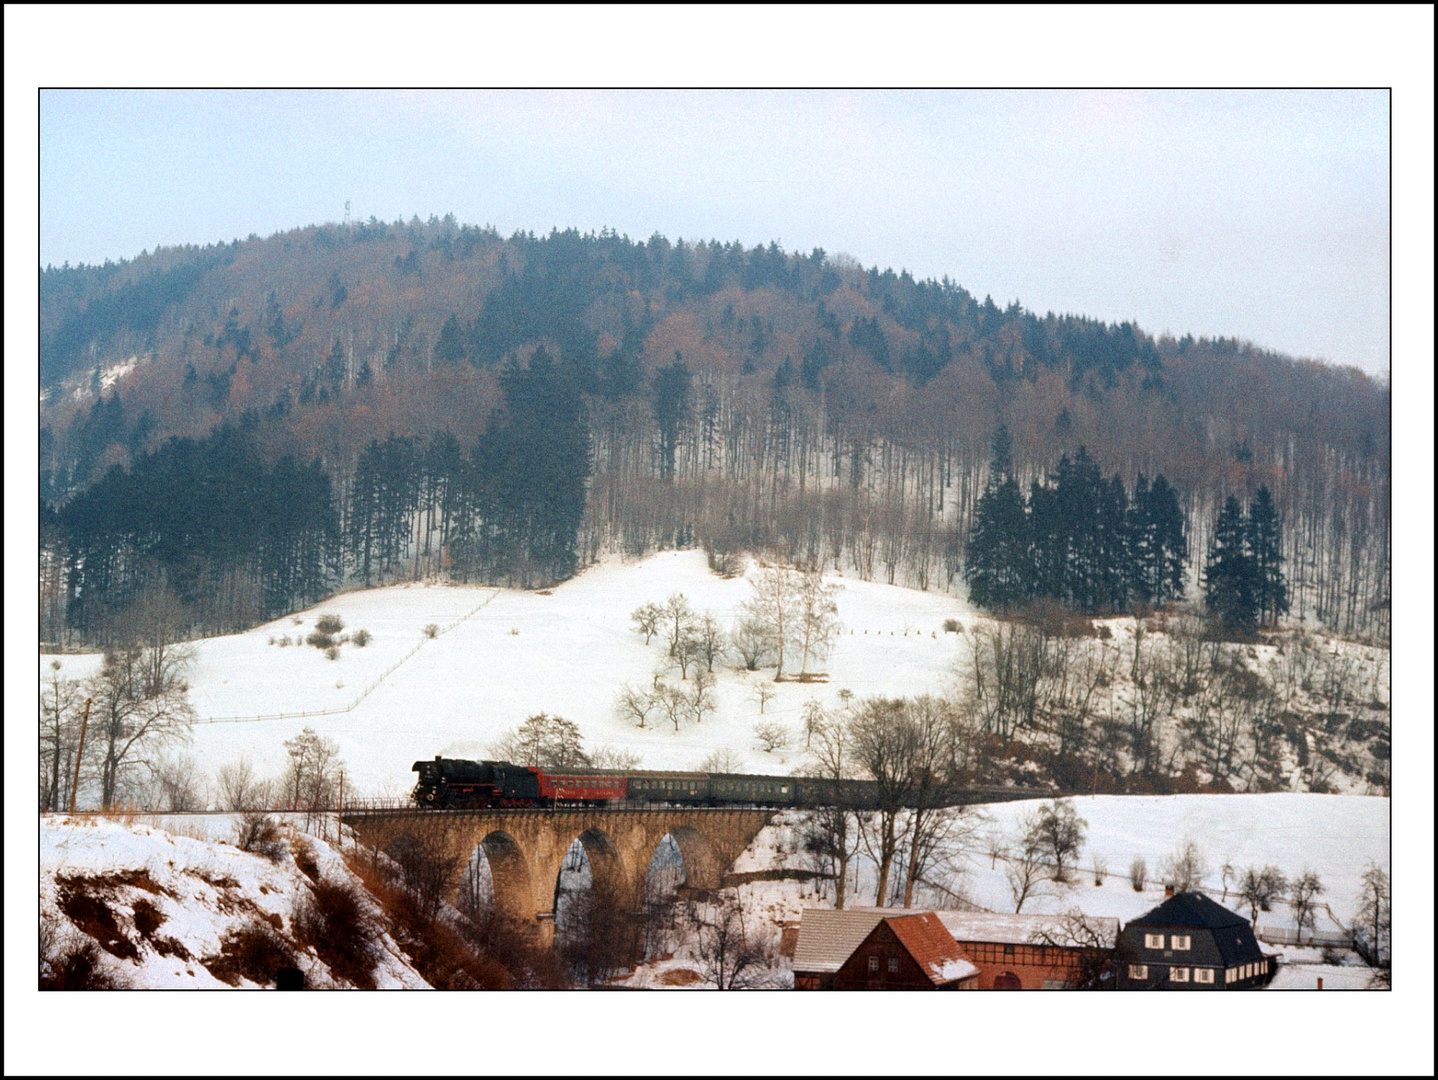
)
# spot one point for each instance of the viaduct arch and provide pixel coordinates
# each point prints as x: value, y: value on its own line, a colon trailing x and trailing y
x: 526, y: 848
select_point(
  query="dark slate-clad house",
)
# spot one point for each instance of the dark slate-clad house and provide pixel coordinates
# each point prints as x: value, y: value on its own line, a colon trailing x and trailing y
x: 1189, y: 942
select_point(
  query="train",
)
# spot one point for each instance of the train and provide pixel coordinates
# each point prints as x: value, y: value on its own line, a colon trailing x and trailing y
x: 457, y: 784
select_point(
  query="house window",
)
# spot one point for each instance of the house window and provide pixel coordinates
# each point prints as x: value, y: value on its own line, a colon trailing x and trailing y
x: 1178, y: 974
x: 1203, y: 975
x: 1008, y: 950
x: 1181, y: 941
x: 873, y: 963
x: 893, y: 965
x: 1138, y: 971
x: 1153, y: 941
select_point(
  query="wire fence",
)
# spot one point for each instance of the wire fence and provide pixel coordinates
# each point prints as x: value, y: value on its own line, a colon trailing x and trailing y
x: 369, y: 689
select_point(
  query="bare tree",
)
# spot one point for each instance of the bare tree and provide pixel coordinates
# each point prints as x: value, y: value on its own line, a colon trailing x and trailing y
x: 428, y: 869
x: 731, y: 955
x: 1303, y: 895
x: 545, y: 742
x: 764, y: 693
x: 1056, y: 831
x: 179, y: 784
x: 1260, y: 887
x: 127, y: 723
x: 1005, y: 665
x: 312, y: 775
x: 814, y: 720
x: 671, y: 703
x: 60, y: 705
x: 1185, y: 868
x: 831, y: 834
x: 1086, y: 942
x: 817, y: 622
x: 932, y: 824
x: 710, y: 641
x: 1025, y: 870
x: 1373, y: 925
x: 237, y: 787
x: 884, y: 745
x: 634, y: 705
x: 701, y: 699
x: 723, y: 760
x: 772, y: 735
x: 752, y: 641
x: 647, y: 618
x: 685, y: 652
x: 677, y: 620
x: 613, y: 757
x: 774, y: 606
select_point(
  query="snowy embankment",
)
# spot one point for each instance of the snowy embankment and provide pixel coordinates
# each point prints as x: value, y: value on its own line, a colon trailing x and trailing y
x: 167, y: 908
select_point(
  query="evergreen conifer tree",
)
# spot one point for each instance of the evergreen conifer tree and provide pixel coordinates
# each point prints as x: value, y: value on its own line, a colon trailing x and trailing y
x: 1265, y: 545
x: 1229, y: 578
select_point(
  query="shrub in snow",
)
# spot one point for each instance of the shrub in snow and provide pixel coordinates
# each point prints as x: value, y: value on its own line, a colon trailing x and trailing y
x: 1100, y: 869
x: 272, y: 639
x: 284, y: 641
x: 330, y: 624
x: 70, y: 961
x: 254, y: 951
x: 259, y: 834
x: 360, y: 638
x: 952, y: 626
x: 432, y: 630
x: 320, y: 640
x: 771, y: 735
x: 332, y: 653
x: 331, y: 920
x: 1138, y: 872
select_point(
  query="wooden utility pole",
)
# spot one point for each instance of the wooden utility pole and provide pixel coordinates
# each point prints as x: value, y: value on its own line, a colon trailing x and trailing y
x: 79, y: 752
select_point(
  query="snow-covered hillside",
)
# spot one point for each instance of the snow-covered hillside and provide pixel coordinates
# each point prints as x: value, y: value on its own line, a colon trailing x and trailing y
x: 498, y: 656
x: 503, y: 654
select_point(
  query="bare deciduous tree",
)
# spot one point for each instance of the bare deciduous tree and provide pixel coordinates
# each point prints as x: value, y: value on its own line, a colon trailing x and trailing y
x: 60, y: 705
x: 1260, y: 887
x: 774, y: 607
x: 751, y: 641
x: 1085, y: 941
x: 312, y: 775
x: 677, y: 620
x: 1303, y: 895
x: 772, y: 735
x: 647, y: 618
x: 237, y: 787
x: 1138, y: 872
x: 831, y: 833
x: 763, y: 694
x: 1373, y: 924
x: 634, y: 705
x: 731, y: 954
x: 127, y: 723
x: 817, y: 622
x: 1185, y: 868
x: 710, y: 641
x: 884, y: 745
x: 178, y: 784
x: 701, y: 699
x: 1056, y: 831
x: 545, y: 742
x: 723, y: 760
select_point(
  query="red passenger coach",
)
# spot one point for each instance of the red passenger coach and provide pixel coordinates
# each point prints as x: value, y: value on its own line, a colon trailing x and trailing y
x: 574, y: 787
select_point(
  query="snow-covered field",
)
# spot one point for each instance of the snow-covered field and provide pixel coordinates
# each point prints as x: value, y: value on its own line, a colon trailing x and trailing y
x: 505, y: 654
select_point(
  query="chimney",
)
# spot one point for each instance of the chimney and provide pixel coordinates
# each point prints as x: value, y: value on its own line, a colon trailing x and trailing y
x: 1167, y: 891
x: 1320, y: 982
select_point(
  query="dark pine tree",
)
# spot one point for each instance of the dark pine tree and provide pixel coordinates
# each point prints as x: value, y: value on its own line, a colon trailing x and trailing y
x: 1265, y: 545
x: 1229, y: 578
x: 673, y: 404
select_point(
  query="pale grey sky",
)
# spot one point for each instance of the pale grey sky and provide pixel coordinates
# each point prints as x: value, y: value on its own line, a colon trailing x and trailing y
x: 1262, y: 215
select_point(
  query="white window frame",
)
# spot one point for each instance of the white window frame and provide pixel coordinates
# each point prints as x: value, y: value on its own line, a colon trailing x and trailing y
x: 1138, y: 971
x: 1181, y: 942
x: 1174, y: 976
x: 1203, y: 975
x: 1150, y: 939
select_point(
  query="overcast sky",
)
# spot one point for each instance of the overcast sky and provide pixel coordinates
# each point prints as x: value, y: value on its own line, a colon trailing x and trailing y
x: 1262, y: 215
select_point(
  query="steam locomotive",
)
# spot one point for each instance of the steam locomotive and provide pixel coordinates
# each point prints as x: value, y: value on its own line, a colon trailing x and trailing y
x: 455, y: 784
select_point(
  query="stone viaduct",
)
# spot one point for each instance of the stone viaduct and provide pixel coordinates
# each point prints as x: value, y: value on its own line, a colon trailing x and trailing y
x: 526, y: 848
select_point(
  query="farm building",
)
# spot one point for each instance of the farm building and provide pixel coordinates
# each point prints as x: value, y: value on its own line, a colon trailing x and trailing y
x: 1190, y: 942
x: 1034, y: 952
x: 878, y: 949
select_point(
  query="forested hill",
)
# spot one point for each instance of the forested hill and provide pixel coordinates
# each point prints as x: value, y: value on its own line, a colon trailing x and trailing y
x: 553, y: 397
